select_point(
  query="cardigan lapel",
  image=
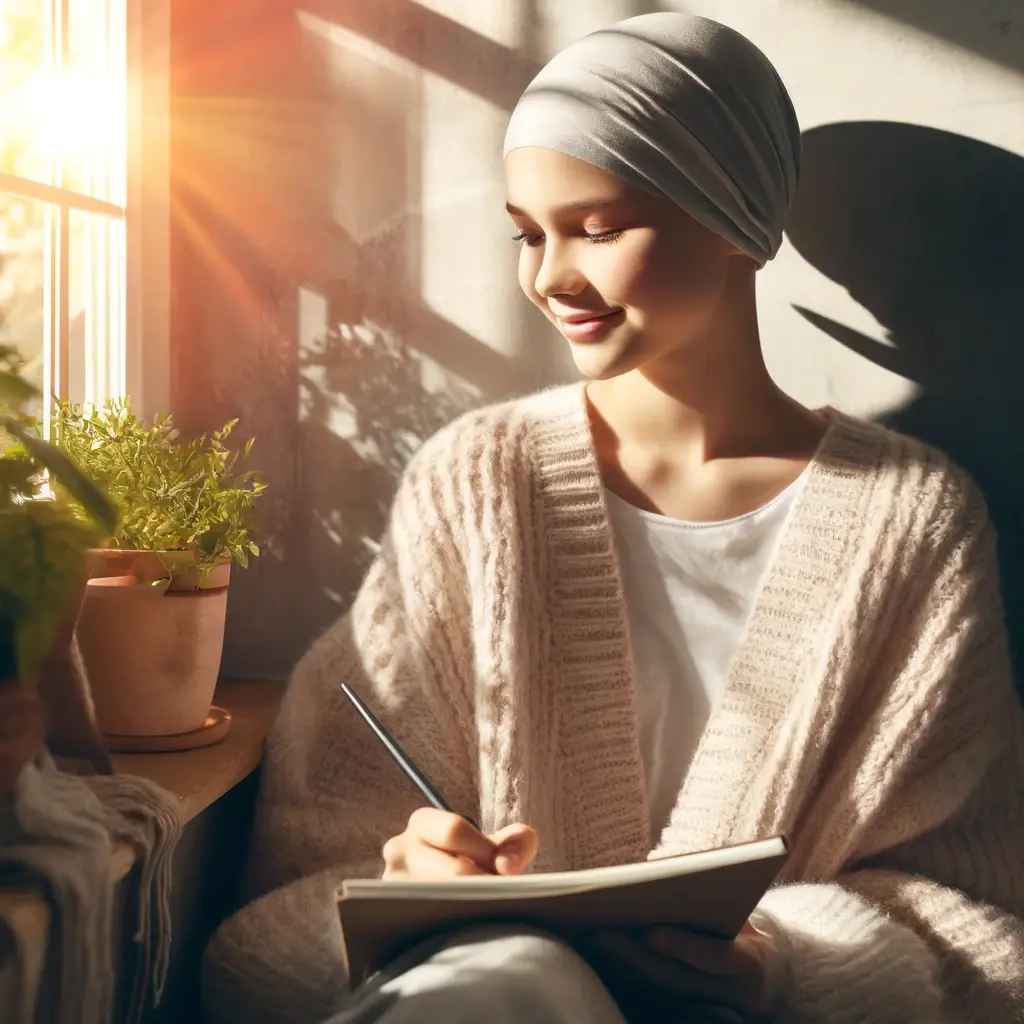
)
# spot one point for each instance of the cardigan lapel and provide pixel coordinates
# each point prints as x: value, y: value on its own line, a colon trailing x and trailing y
x: 736, y: 788
x: 603, y: 816
x: 761, y: 734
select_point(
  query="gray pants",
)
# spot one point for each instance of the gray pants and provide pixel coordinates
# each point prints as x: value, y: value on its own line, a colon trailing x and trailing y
x: 499, y: 975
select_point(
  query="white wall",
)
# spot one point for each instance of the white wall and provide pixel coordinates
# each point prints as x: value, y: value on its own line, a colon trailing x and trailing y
x: 390, y: 117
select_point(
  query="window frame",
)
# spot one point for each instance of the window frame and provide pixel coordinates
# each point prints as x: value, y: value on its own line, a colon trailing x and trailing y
x: 145, y: 320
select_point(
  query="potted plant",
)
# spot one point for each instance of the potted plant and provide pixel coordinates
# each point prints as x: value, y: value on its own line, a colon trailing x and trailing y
x: 45, y: 534
x: 151, y: 628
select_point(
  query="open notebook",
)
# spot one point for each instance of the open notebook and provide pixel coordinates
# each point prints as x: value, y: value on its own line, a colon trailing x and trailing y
x: 713, y: 893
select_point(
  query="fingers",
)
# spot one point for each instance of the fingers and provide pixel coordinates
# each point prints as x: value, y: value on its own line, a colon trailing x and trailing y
x: 647, y: 968
x: 452, y: 834
x: 407, y: 857
x: 516, y: 846
x: 748, y: 965
x: 435, y: 845
x: 425, y: 863
x: 712, y: 956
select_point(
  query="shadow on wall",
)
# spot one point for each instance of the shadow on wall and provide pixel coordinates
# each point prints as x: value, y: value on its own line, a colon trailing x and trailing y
x: 278, y: 150
x: 367, y: 403
x: 992, y: 28
x: 924, y: 229
x: 298, y: 174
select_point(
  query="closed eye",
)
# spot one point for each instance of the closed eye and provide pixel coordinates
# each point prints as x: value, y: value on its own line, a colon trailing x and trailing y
x: 598, y: 238
x: 604, y: 236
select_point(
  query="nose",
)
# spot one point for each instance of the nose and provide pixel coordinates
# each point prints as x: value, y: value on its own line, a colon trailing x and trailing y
x: 558, y: 273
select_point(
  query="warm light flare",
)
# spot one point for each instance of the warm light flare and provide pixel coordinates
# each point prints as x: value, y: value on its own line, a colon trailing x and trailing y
x: 73, y: 116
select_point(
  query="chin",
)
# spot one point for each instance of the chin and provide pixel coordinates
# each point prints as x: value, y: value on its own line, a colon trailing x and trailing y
x: 598, y: 363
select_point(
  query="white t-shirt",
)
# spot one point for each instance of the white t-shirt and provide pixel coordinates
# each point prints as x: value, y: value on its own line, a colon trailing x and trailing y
x: 690, y: 588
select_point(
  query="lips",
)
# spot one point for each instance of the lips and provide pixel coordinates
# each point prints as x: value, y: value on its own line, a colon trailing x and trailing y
x: 587, y: 325
x: 580, y: 318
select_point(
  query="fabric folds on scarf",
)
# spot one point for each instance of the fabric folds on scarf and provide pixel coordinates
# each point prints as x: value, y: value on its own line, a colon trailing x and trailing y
x: 682, y: 107
x: 62, y: 829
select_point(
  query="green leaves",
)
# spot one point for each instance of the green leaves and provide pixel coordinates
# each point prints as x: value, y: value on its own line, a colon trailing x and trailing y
x: 63, y: 470
x: 43, y: 539
x: 15, y: 391
x: 17, y: 479
x: 42, y: 565
x: 111, y: 477
x: 173, y: 495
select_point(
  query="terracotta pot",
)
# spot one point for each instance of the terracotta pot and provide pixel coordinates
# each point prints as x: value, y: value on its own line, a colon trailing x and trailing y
x: 151, y: 566
x: 152, y: 654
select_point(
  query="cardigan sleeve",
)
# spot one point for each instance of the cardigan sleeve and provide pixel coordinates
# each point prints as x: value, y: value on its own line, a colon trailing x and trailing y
x: 330, y: 796
x: 923, y: 922
x: 901, y: 941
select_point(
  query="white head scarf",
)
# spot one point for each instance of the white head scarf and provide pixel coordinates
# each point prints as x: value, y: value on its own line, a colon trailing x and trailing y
x: 682, y: 107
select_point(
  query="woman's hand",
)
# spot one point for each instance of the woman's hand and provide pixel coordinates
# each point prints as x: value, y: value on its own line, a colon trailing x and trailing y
x: 732, y: 980
x: 437, y: 845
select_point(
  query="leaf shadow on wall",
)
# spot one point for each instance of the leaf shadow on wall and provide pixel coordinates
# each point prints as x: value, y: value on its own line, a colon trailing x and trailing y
x: 300, y: 211
x: 925, y: 229
x: 367, y: 402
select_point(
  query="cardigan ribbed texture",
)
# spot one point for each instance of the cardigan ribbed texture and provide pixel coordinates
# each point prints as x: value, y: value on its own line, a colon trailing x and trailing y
x: 868, y: 714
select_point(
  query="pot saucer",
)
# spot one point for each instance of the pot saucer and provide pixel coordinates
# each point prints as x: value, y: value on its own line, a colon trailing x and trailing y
x: 213, y: 730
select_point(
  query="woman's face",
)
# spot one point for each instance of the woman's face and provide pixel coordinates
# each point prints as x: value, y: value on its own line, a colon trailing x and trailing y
x: 628, y: 278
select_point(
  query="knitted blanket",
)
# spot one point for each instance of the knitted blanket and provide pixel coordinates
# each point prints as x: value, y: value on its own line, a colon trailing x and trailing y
x: 61, y: 830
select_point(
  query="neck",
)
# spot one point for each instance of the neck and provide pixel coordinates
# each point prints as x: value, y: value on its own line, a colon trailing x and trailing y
x: 714, y: 398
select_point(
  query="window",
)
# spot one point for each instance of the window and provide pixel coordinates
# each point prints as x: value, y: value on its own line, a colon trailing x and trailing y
x: 77, y: 179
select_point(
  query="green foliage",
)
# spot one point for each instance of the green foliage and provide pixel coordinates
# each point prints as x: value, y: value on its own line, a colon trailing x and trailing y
x: 43, y: 538
x: 174, y: 495
x: 42, y: 565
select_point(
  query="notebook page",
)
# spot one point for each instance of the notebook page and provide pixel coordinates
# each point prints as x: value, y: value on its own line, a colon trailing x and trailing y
x: 556, y: 883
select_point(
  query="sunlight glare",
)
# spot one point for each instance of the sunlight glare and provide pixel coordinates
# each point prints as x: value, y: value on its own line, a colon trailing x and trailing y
x: 72, y: 115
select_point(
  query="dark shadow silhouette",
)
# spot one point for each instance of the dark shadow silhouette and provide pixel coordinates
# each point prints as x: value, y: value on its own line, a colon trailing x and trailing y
x: 924, y: 228
x: 994, y: 29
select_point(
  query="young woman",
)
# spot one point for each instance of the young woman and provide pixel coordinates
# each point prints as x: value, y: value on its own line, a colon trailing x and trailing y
x: 665, y: 611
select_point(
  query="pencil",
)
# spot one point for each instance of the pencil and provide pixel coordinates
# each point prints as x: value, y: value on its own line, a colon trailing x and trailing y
x: 401, y: 758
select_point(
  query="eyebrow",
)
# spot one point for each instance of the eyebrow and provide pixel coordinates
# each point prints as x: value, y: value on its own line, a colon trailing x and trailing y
x: 581, y: 206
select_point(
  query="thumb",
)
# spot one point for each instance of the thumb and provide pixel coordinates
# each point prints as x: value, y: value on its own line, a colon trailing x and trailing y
x: 516, y: 847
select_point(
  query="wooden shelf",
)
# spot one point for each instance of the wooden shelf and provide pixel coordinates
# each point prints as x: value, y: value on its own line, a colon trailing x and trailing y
x: 199, y: 777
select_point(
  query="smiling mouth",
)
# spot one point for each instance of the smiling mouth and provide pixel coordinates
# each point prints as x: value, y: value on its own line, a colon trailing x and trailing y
x: 587, y: 327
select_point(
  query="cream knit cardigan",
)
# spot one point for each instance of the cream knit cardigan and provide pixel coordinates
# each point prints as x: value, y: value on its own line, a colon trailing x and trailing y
x: 868, y: 714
